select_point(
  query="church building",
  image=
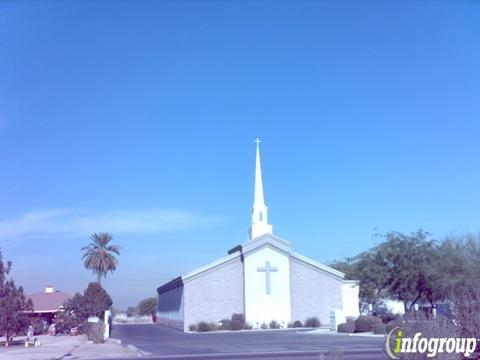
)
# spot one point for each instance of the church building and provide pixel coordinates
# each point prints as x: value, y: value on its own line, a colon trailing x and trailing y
x: 262, y: 278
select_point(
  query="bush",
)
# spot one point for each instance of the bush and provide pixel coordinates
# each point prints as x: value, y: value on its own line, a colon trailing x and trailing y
x: 380, y: 329
x: 64, y: 322
x: 264, y: 326
x: 387, y: 317
x: 348, y: 327
x: 39, y: 326
x: 274, y: 324
x: 225, y: 324
x: 312, y: 322
x: 366, y: 323
x: 431, y: 328
x: 297, y: 324
x: 192, y: 327
x: 203, y: 326
x: 393, y: 324
x: 237, y: 322
x: 96, y: 331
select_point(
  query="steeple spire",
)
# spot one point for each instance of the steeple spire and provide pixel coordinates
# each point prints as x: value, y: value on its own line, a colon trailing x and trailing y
x: 260, y: 224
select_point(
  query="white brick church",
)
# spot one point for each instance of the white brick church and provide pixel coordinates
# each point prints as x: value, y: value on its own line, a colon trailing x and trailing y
x: 261, y: 278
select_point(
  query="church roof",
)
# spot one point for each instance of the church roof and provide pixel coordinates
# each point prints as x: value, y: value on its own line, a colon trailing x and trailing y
x: 172, y: 284
x: 210, y: 266
x: 318, y: 265
x: 178, y: 281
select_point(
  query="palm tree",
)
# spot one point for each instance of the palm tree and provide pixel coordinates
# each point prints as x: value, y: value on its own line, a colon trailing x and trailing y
x: 99, y: 256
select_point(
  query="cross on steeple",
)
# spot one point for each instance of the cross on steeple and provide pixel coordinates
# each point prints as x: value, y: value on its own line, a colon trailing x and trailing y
x: 260, y: 225
x: 267, y: 269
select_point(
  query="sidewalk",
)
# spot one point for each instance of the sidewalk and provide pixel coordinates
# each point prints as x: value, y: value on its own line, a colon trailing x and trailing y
x: 65, y: 347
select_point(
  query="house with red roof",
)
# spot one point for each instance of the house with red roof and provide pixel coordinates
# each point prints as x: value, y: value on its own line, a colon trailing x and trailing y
x: 47, y: 303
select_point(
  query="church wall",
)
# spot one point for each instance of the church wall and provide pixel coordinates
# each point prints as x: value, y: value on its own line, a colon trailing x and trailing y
x: 170, y: 308
x: 261, y: 305
x: 313, y: 292
x: 350, y: 296
x: 215, y: 294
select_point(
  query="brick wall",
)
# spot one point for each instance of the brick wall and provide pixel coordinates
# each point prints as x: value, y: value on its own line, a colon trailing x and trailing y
x: 215, y: 294
x: 313, y: 292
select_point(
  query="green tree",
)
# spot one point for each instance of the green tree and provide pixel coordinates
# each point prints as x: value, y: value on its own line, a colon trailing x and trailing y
x: 14, y: 307
x: 75, y: 308
x: 99, y: 256
x: 402, y: 267
x: 369, y: 272
x: 96, y: 300
x: 147, y: 306
x: 459, y: 266
x: 132, y: 311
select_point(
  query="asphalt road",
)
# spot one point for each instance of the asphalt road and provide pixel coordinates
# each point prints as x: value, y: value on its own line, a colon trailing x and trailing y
x: 165, y: 343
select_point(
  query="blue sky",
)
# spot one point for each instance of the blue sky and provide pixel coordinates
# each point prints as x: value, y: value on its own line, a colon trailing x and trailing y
x: 138, y: 118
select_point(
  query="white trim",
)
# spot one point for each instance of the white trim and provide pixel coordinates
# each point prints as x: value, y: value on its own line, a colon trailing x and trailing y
x: 210, y: 266
x: 318, y: 265
x: 272, y: 236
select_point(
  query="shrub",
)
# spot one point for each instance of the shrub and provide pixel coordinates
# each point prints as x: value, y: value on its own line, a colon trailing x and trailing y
x: 351, y: 319
x: 203, y: 326
x: 297, y: 324
x: 248, y: 326
x: 237, y: 322
x: 393, y: 324
x: 431, y: 328
x: 39, y: 326
x: 379, y: 329
x: 348, y: 327
x: 312, y: 322
x: 387, y: 317
x: 192, y: 327
x: 274, y: 324
x: 225, y: 324
x: 95, y: 332
x: 366, y: 323
x: 264, y: 326
x: 64, y: 322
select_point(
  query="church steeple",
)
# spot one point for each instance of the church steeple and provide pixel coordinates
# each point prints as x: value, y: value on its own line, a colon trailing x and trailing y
x: 260, y: 224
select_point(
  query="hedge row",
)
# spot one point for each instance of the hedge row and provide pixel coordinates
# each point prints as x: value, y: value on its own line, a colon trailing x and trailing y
x: 363, y: 324
x: 237, y: 322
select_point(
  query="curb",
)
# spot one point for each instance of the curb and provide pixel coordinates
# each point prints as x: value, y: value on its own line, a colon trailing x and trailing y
x: 135, y: 350
x: 277, y: 354
x: 115, y: 341
x: 130, y: 347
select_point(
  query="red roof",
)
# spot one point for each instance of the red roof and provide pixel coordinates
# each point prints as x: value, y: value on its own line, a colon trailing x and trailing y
x: 48, y: 302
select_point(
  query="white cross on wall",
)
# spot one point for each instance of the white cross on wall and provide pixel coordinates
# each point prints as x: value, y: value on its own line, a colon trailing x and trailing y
x: 267, y: 269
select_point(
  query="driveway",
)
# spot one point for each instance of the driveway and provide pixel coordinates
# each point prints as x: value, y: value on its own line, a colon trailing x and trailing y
x: 163, y: 341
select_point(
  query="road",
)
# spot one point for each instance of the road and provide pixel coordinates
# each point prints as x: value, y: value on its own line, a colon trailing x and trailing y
x: 165, y: 343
